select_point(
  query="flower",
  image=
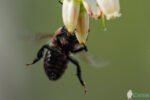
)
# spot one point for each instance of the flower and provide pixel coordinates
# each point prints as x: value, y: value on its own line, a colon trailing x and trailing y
x: 95, y: 8
x: 70, y: 13
x: 92, y: 8
x: 110, y: 8
x: 82, y: 27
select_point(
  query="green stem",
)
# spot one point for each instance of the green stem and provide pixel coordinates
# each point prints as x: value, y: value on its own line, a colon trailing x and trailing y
x: 103, y: 22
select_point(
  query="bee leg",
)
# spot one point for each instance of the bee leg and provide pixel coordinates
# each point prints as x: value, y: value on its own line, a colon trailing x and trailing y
x: 80, y: 49
x: 40, y: 54
x: 60, y: 2
x: 74, y: 61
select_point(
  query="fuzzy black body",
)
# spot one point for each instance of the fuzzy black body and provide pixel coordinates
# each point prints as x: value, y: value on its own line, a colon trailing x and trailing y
x: 58, y: 54
x: 55, y: 63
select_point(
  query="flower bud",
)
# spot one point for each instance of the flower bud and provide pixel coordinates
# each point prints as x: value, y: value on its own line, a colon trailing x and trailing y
x: 82, y: 27
x: 70, y: 13
x: 110, y: 8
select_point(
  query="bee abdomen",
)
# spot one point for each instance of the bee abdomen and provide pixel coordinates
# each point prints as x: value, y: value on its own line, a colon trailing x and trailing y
x: 54, y: 65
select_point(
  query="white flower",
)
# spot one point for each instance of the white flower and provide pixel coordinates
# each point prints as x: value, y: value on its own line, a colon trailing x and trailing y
x: 82, y: 27
x: 110, y: 8
x: 70, y: 13
x: 92, y: 8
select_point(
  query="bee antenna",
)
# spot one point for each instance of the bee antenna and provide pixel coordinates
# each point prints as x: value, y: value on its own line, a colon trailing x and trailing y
x: 63, y: 29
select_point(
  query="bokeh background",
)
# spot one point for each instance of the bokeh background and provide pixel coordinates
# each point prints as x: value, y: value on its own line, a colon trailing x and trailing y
x: 125, y: 45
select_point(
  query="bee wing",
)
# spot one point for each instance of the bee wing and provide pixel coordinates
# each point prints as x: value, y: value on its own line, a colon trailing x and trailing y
x: 89, y: 58
x: 38, y: 37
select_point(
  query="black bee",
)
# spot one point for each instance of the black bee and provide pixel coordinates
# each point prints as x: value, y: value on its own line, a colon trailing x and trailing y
x: 58, y: 54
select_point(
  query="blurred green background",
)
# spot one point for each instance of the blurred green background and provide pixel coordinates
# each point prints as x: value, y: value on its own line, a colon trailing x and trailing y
x: 125, y: 45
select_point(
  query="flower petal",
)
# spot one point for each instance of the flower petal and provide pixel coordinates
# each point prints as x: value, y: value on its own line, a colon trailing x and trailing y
x: 70, y: 13
x: 110, y: 8
x: 92, y: 7
x: 82, y: 27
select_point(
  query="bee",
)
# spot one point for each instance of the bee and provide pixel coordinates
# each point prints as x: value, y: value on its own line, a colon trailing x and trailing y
x: 58, y: 55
